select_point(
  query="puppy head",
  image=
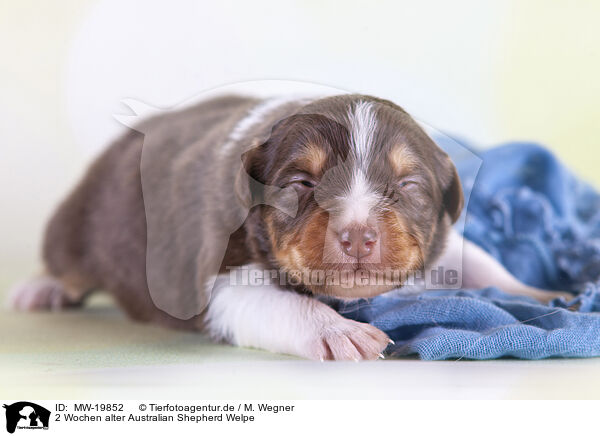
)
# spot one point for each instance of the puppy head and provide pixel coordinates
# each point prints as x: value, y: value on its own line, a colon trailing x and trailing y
x: 375, y: 196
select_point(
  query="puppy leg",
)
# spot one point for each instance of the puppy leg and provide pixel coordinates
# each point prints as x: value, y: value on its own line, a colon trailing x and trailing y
x: 265, y: 316
x: 45, y: 293
x: 480, y: 270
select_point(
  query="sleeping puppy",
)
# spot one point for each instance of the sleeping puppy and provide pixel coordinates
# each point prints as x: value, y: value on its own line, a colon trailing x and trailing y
x: 344, y: 197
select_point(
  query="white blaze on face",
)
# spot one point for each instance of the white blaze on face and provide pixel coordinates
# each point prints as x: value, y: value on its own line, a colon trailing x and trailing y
x: 359, y: 200
x: 357, y: 204
x: 363, y: 125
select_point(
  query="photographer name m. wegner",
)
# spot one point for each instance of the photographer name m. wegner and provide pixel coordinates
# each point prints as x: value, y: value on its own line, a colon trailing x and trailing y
x: 168, y: 412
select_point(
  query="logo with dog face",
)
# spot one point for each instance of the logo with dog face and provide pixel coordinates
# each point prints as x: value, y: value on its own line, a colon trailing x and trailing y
x: 26, y: 415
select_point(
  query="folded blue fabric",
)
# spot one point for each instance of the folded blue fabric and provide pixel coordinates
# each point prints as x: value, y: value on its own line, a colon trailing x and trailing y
x: 543, y: 224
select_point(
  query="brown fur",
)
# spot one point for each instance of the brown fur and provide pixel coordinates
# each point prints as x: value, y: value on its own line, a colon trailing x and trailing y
x: 150, y: 221
x: 401, y: 159
x: 413, y: 221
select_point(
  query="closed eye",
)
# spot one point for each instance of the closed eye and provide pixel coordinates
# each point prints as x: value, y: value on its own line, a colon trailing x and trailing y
x: 307, y: 183
x: 406, y: 182
x: 302, y: 181
x: 392, y: 192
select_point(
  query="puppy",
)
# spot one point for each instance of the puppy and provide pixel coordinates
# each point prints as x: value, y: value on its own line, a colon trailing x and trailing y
x: 343, y: 196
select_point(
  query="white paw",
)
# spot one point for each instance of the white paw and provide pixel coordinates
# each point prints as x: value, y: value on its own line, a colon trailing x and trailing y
x: 41, y: 293
x: 344, y: 339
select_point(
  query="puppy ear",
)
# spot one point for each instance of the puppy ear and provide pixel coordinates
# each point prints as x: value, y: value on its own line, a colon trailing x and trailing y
x: 250, y: 179
x: 248, y: 189
x: 452, y: 193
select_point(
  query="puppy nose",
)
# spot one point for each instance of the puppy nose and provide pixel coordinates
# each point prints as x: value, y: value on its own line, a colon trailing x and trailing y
x: 358, y: 241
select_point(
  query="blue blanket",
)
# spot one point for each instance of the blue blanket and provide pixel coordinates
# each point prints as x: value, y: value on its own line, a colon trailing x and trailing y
x: 543, y: 224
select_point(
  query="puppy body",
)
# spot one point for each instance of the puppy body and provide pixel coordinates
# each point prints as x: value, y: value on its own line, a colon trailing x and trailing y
x: 98, y: 238
x: 162, y: 215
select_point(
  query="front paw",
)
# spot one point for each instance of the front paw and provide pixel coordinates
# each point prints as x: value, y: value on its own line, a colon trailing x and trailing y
x: 344, y: 339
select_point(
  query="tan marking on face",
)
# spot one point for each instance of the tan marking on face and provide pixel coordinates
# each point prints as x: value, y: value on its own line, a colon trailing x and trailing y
x: 280, y: 246
x: 401, y: 249
x: 303, y: 251
x: 401, y: 159
x: 296, y: 257
x: 312, y: 240
x: 285, y: 248
x: 313, y: 158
